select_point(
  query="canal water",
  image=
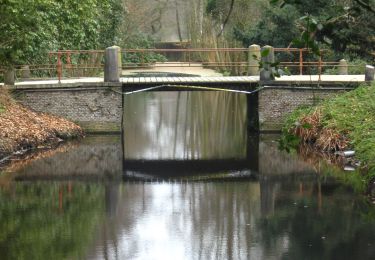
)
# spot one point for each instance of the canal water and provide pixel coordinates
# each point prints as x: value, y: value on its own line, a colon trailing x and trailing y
x: 186, y: 180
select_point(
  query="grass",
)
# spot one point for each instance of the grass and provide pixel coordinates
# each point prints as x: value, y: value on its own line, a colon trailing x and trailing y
x: 344, y: 122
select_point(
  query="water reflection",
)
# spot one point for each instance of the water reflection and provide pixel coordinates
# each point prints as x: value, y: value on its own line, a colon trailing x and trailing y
x: 185, y: 125
x: 283, y: 213
x: 93, y: 158
x: 48, y: 220
x: 227, y: 221
x: 201, y: 188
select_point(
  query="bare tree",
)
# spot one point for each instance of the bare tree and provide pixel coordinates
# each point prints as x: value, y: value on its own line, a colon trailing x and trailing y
x: 227, y: 18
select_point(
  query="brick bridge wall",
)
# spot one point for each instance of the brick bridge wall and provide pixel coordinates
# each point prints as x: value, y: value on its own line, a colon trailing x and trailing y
x: 99, y: 108
x: 96, y: 109
x: 275, y: 103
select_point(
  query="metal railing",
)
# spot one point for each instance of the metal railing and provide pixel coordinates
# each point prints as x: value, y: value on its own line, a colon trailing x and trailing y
x: 90, y: 63
x: 190, y: 60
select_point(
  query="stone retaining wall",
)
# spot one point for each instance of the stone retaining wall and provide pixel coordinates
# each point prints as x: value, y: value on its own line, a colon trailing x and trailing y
x: 276, y: 103
x: 96, y: 109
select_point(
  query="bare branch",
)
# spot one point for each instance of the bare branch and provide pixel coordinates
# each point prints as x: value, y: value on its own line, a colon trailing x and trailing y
x: 227, y: 18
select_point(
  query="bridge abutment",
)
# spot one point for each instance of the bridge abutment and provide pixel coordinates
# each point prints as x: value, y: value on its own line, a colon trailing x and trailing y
x: 276, y: 102
x: 95, y: 109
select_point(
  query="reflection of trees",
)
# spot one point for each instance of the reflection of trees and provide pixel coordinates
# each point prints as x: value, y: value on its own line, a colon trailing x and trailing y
x: 223, y: 216
x: 125, y: 205
x: 185, y: 125
x: 206, y: 220
x: 91, y: 158
x: 321, y: 226
x: 225, y: 221
x: 48, y: 220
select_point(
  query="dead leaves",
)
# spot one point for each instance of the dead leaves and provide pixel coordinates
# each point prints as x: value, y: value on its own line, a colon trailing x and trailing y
x: 21, y: 128
x: 311, y: 130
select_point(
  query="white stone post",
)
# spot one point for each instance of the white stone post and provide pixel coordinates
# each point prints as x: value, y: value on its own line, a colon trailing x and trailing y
x: 9, y: 77
x: 343, y: 67
x: 254, y: 58
x: 266, y: 71
x: 369, y: 74
x: 112, y: 64
x: 25, y: 72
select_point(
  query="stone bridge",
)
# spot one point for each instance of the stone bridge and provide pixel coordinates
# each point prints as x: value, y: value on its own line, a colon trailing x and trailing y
x: 98, y: 106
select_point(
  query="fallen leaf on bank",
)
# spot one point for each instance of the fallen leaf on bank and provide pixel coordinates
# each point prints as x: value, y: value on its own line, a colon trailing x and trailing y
x: 22, y: 128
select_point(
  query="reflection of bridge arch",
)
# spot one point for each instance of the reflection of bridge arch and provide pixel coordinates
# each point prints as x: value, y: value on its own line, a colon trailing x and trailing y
x: 188, y: 166
x: 233, y: 168
x: 153, y: 170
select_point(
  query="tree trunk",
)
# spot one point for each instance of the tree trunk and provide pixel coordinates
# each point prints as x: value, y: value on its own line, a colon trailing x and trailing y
x: 178, y: 22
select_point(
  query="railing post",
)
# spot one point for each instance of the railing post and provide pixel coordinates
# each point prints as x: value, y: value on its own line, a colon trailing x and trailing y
x: 254, y: 58
x: 320, y: 65
x: 9, y: 76
x: 68, y: 59
x: 119, y: 61
x: 68, y: 66
x: 59, y: 66
x: 189, y: 58
x: 369, y: 73
x: 266, y: 70
x: 112, y: 64
x: 300, y: 61
x: 343, y: 67
x: 25, y: 72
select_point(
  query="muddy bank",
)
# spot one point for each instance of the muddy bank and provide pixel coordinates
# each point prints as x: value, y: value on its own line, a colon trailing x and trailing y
x: 22, y: 129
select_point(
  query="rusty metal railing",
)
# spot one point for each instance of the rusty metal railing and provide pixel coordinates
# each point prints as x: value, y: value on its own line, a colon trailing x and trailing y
x: 78, y: 62
x: 90, y: 63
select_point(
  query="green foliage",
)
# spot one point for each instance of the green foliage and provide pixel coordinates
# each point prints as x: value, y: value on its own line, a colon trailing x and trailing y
x: 272, y: 67
x: 356, y: 67
x: 353, y: 115
x: 310, y: 28
x: 353, y: 179
x: 31, y: 28
x: 218, y: 9
x: 276, y: 28
x: 345, y: 26
x: 141, y: 41
x: 111, y: 16
x: 211, y: 7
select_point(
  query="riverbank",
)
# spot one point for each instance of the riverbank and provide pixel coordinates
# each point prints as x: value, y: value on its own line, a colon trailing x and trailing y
x: 22, y: 129
x: 346, y: 122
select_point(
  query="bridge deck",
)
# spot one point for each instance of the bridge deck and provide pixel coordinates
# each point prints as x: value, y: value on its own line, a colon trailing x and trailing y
x: 179, y: 80
x: 227, y: 80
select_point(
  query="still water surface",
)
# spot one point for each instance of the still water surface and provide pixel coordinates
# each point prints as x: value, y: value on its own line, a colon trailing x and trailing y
x: 186, y: 181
